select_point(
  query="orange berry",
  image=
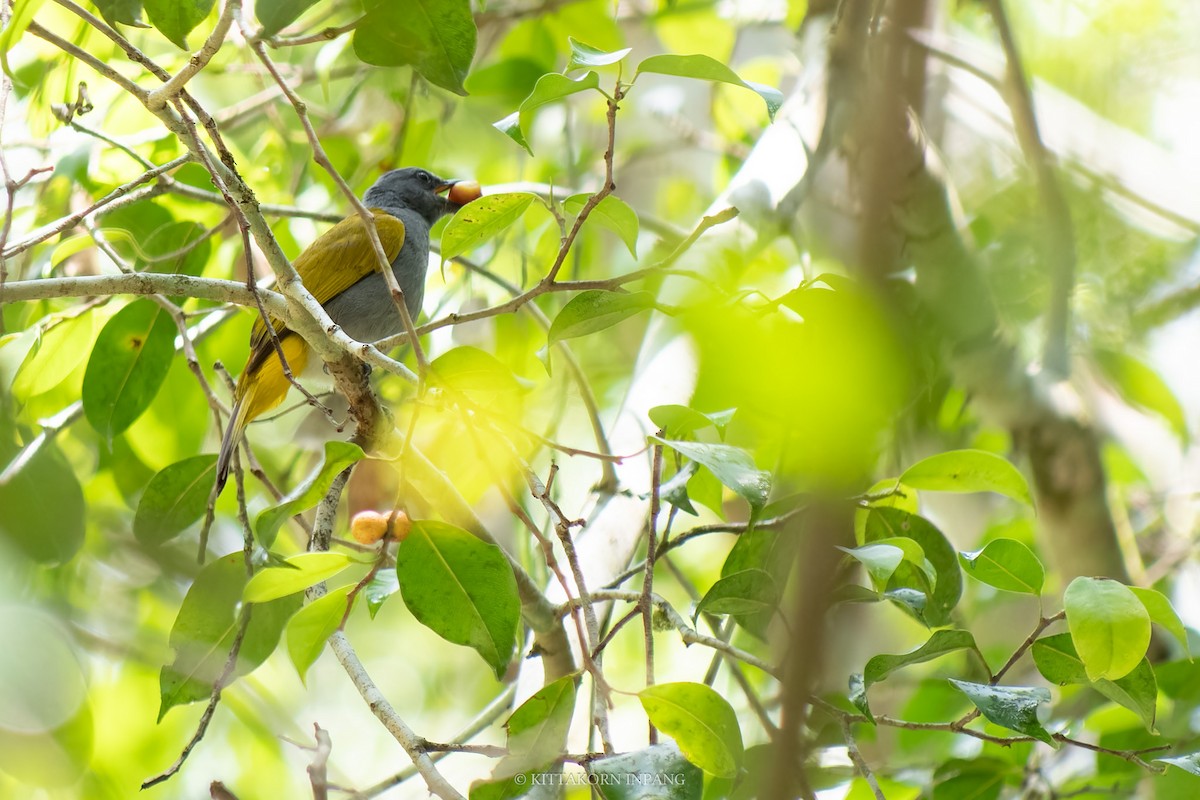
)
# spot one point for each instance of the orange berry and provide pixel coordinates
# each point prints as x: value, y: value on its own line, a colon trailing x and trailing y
x: 368, y: 527
x: 464, y: 192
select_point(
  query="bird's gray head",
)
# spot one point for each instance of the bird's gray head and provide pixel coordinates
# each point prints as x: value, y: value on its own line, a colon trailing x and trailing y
x: 415, y: 188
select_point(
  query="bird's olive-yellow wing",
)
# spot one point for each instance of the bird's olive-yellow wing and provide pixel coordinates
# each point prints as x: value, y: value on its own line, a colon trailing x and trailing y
x: 338, y: 259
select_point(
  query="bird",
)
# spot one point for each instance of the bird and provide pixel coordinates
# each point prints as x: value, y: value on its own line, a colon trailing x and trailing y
x: 340, y: 270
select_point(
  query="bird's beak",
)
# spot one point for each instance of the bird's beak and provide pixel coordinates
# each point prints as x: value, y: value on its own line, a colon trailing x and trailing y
x: 442, y: 188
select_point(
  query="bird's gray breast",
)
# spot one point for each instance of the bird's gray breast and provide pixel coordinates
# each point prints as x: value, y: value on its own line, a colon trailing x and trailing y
x: 365, y: 311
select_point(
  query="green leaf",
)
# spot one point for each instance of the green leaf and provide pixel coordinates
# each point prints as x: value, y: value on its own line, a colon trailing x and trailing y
x: 175, y: 19
x: 1137, y: 691
x: 462, y: 589
x: 300, y: 572
x: 434, y: 37
x: 657, y: 772
x: 480, y: 378
x: 899, y: 496
x: 705, y: 68
x: 584, y: 55
x: 700, y: 721
x: 481, y: 220
x: 275, y: 15
x: 938, y: 645
x: 1109, y: 626
x: 55, y: 355
x: 594, y: 310
x: 751, y: 591
x: 968, y: 471
x: 312, y: 625
x: 1142, y: 387
x: 44, y: 511
x: 383, y: 585
x: 675, y: 421
x: 1006, y: 564
x: 884, y: 523
x: 551, y: 88
x: 1058, y: 662
x: 733, y: 467
x: 613, y: 213
x: 129, y: 362
x: 1012, y: 707
x: 1162, y: 612
x: 510, y: 126
x: 338, y: 456
x: 537, y: 730
x: 18, y: 21
x: 1188, y: 762
x: 979, y: 779
x: 176, y: 497
x: 124, y: 12
x: 206, y: 627
x: 882, y: 557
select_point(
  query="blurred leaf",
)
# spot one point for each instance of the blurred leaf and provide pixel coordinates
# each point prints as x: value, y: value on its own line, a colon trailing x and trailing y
x: 1162, y: 612
x: 657, y: 772
x: 709, y: 69
x: 51, y: 759
x: 1109, y: 626
x: 675, y: 421
x: 55, y: 355
x: 338, y: 456
x: 128, y: 364
x: 275, y: 15
x: 1141, y: 386
x: 1012, y: 707
x: 968, y: 471
x: 435, y: 37
x: 509, y: 81
x: 594, y: 310
x: 18, y: 21
x: 206, y: 626
x: 1006, y: 564
x: 481, y: 220
x: 462, y: 589
x: 382, y: 586
x: 44, y: 511
x: 297, y: 574
x: 480, y: 378
x: 884, y: 523
x: 175, y: 19
x: 176, y: 497
x: 733, y: 467
x: 700, y: 721
x: 584, y: 55
x: 613, y: 213
x: 312, y: 625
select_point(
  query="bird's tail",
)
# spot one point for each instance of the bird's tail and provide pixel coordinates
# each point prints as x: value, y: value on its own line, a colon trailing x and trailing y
x: 258, y: 391
x: 233, y: 435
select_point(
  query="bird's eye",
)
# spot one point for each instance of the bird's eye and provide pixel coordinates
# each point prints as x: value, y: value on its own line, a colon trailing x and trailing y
x: 426, y: 178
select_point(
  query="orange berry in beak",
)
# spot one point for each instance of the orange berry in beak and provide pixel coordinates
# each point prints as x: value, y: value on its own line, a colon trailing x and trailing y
x: 464, y: 192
